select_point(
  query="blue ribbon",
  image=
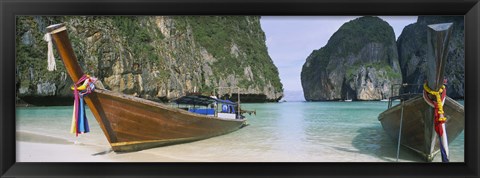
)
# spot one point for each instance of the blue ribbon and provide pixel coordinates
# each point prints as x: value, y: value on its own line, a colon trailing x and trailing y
x: 442, y: 151
x: 83, y: 123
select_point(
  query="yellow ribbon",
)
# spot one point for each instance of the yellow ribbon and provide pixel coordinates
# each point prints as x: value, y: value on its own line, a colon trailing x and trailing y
x: 439, y: 100
x: 83, y: 86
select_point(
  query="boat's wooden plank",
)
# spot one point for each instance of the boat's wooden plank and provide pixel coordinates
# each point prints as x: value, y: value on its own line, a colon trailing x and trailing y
x: 159, y: 123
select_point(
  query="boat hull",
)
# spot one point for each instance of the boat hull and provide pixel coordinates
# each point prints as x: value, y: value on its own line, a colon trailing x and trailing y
x: 134, y: 124
x: 418, y: 132
x: 138, y: 124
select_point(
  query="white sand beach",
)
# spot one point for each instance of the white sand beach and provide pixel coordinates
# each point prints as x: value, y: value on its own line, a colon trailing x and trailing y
x: 35, y: 147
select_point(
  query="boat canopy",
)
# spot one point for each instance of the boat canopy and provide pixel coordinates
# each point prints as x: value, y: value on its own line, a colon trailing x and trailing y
x: 201, y: 100
x: 226, y: 102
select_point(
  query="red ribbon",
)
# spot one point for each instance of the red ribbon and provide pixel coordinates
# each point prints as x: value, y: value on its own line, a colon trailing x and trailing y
x: 437, y: 123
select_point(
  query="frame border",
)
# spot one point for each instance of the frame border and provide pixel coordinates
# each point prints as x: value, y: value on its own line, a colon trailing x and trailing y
x: 11, y: 8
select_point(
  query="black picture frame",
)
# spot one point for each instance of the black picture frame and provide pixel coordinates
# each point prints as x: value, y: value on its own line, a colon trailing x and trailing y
x: 11, y: 8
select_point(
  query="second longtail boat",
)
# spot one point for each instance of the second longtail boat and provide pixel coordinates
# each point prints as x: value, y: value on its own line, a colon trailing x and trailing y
x: 427, y: 122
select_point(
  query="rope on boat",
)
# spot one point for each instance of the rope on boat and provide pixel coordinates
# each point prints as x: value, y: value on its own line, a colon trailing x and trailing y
x: 50, y: 57
x: 400, y: 132
x: 79, y: 118
x: 439, y: 118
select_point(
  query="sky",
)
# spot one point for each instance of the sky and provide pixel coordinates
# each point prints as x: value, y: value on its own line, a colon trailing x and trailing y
x: 291, y: 39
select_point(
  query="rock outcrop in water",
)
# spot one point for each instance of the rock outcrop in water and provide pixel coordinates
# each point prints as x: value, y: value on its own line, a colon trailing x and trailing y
x: 412, y: 46
x: 157, y: 58
x: 360, y: 61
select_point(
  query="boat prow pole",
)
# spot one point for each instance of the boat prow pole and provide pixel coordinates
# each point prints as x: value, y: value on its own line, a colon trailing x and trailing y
x: 437, y: 43
x: 438, y: 37
x: 65, y: 50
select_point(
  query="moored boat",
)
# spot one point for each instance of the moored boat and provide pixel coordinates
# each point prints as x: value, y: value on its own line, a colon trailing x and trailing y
x: 427, y: 122
x: 131, y: 123
x: 348, y: 100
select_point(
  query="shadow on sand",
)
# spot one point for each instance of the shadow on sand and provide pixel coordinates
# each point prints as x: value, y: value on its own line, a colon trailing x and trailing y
x: 375, y: 141
x: 103, y: 152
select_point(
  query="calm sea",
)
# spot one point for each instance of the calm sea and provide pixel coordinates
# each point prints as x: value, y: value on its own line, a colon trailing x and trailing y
x: 288, y: 131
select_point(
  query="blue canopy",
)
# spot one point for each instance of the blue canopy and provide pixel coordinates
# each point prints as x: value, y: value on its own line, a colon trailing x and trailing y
x: 226, y: 102
x: 201, y: 100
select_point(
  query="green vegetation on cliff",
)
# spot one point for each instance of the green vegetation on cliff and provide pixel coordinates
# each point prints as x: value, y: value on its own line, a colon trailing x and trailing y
x: 31, y: 58
x: 138, y: 37
x: 352, y: 36
x: 362, y: 53
x: 390, y: 73
x: 219, y: 34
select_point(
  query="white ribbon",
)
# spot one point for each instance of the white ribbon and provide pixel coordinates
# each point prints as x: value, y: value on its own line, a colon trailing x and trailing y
x: 445, y: 140
x: 51, y: 60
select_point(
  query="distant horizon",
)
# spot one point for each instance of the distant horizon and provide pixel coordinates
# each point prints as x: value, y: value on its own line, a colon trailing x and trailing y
x: 290, y: 39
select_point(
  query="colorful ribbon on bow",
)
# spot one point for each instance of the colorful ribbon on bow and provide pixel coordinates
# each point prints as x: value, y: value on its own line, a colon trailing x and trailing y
x: 439, y: 117
x: 79, y: 118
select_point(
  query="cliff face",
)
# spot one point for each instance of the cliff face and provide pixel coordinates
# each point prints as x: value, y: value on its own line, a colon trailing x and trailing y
x: 157, y: 58
x: 359, y: 62
x: 412, y: 54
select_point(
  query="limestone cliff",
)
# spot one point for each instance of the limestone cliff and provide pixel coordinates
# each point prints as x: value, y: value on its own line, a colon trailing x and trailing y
x: 157, y: 58
x: 412, y: 50
x: 359, y: 62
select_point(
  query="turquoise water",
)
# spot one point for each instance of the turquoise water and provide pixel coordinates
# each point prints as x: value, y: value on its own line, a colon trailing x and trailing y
x: 289, y: 131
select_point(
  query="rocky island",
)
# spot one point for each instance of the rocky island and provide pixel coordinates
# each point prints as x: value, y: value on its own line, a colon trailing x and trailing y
x: 412, y: 47
x: 362, y: 60
x: 359, y: 62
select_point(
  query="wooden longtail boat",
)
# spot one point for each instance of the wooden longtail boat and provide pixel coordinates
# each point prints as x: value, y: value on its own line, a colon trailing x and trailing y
x: 414, y: 116
x: 131, y: 123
